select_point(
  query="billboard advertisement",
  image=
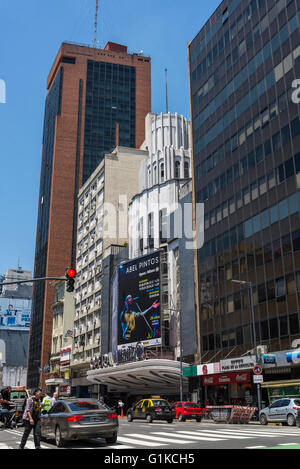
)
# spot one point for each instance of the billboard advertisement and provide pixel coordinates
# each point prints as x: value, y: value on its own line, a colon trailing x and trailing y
x: 139, y: 302
x: 14, y: 313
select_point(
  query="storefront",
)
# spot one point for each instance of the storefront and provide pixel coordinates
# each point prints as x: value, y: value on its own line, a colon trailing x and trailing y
x: 225, y: 382
x: 281, y: 389
x: 228, y: 388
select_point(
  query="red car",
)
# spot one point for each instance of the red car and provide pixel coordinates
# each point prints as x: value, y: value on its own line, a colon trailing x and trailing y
x: 187, y: 410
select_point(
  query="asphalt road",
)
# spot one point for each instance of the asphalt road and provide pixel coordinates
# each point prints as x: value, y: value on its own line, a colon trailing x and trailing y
x: 176, y: 436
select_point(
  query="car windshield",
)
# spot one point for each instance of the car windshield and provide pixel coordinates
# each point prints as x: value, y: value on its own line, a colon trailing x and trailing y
x: 160, y: 403
x: 297, y: 402
x: 191, y: 404
x: 78, y: 406
x: 17, y: 395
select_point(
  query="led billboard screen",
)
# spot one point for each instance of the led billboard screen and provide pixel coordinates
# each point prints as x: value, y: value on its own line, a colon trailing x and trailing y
x: 139, y: 302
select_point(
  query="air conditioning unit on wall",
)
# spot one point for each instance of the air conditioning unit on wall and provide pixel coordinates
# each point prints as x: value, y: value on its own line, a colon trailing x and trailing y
x: 262, y: 349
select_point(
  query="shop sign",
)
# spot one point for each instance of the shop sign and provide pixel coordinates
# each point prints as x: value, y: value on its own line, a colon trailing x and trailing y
x: 208, y: 369
x: 257, y: 379
x: 241, y: 363
x: 188, y: 371
x: 293, y: 357
x: 269, y: 358
x: 227, y: 378
x: 65, y: 355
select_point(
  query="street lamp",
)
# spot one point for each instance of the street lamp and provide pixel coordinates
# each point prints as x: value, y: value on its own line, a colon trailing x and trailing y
x: 249, y: 284
x: 178, y: 311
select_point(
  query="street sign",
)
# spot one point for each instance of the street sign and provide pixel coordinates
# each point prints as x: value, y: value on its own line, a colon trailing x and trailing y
x: 257, y: 379
x: 257, y: 370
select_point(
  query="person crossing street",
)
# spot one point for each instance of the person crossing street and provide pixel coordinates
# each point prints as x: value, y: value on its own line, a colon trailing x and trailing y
x: 32, y: 419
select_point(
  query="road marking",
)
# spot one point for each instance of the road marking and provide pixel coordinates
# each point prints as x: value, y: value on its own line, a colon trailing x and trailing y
x: 260, y: 432
x: 242, y: 433
x: 189, y: 437
x: 119, y: 447
x: 224, y: 434
x: 137, y: 442
x: 5, y: 446
x: 161, y: 440
x: 254, y: 447
x: 288, y: 444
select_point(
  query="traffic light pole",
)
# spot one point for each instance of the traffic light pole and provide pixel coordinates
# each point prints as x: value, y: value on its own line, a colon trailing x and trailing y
x: 33, y: 280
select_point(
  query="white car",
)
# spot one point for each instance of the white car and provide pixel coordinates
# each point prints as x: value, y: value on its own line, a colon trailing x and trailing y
x: 283, y: 410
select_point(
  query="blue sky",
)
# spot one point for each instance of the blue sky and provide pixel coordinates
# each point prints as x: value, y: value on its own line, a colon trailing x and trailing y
x: 30, y: 35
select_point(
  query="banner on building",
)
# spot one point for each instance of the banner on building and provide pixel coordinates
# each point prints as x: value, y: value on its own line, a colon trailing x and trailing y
x: 139, y: 302
x: 14, y: 313
x: 227, y: 378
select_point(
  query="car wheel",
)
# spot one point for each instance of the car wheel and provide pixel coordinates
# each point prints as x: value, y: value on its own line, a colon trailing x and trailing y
x: 263, y: 419
x: 290, y: 420
x: 58, y: 438
x: 198, y: 419
x: 149, y: 418
x: 170, y: 421
x: 111, y: 440
x: 181, y: 418
x: 129, y: 418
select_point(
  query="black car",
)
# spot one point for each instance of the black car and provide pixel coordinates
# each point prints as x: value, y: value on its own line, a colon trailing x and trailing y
x: 151, y: 409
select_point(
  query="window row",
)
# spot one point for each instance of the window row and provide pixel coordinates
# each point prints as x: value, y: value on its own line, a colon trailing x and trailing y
x: 274, y: 289
x: 255, y: 124
x: 217, y: 24
x: 282, y: 327
x: 247, y: 101
x: 246, y: 71
x: 253, y: 225
x: 252, y: 192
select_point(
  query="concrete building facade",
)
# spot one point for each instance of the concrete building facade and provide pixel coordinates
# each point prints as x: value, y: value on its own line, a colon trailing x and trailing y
x: 102, y: 222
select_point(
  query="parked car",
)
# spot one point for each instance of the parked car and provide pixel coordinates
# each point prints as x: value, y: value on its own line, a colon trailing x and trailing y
x: 76, y: 419
x: 187, y: 410
x: 151, y: 409
x: 283, y: 410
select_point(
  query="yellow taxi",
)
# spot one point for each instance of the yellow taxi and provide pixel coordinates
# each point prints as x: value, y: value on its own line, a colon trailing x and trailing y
x: 149, y: 409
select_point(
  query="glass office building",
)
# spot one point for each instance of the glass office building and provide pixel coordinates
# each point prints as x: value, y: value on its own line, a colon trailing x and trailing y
x: 246, y: 143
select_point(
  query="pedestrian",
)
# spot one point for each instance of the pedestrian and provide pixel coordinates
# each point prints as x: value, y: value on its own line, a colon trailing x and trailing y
x: 120, y: 406
x: 54, y: 398
x: 46, y: 403
x: 4, y: 412
x: 101, y: 400
x: 32, y: 419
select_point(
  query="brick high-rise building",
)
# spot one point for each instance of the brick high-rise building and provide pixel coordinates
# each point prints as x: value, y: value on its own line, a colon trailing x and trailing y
x: 97, y: 99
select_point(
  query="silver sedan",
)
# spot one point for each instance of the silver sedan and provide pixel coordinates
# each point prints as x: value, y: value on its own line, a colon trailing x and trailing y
x: 77, y: 419
x: 283, y: 410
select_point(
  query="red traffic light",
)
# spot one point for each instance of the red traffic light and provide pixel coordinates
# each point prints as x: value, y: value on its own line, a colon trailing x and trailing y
x: 71, y: 273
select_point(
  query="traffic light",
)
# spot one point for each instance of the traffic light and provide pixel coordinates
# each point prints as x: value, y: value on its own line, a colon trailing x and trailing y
x: 70, y: 274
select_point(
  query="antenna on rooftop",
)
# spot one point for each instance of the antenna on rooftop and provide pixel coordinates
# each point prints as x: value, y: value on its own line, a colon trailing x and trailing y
x: 96, y: 24
x: 166, y: 72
